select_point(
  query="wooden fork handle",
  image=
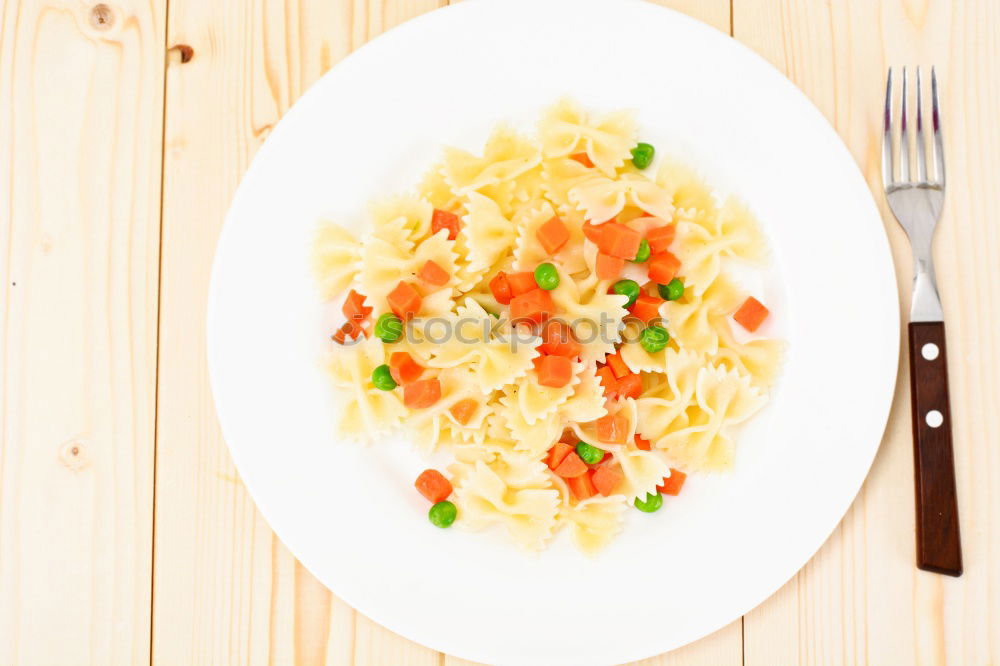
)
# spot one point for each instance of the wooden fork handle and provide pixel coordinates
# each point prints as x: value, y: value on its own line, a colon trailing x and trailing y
x: 939, y: 547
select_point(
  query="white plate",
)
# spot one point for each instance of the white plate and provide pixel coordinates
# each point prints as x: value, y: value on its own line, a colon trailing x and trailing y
x: 369, y: 128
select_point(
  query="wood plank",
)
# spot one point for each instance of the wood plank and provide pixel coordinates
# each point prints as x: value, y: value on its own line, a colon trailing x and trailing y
x: 80, y: 156
x: 861, y: 599
x: 226, y: 591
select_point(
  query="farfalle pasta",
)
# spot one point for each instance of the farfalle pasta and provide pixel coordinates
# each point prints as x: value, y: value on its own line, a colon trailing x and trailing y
x: 560, y: 323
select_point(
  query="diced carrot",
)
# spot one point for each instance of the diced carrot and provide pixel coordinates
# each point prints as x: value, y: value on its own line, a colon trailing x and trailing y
x: 501, y: 288
x: 751, y: 314
x: 432, y: 485
x: 593, y: 232
x: 521, y: 283
x: 617, y: 365
x: 433, y: 274
x: 629, y: 386
x: 552, y: 235
x: 607, y: 479
x: 351, y: 329
x: 554, y: 371
x: 619, y: 241
x: 463, y: 410
x: 442, y: 219
x: 558, y: 453
x: 422, y: 393
x: 404, y: 369
x: 582, y: 158
x: 558, y: 340
x: 608, y: 267
x: 582, y: 487
x: 355, y: 308
x: 660, y: 238
x: 647, y: 308
x: 642, y: 443
x: 672, y: 484
x: 612, y: 428
x: 608, y: 381
x: 534, y: 305
x: 571, y: 466
x: 663, y: 267
x: 404, y: 301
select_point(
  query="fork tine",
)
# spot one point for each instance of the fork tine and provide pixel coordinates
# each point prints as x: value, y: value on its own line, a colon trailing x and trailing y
x: 888, y: 158
x: 938, y: 139
x: 904, y: 136
x: 921, y: 149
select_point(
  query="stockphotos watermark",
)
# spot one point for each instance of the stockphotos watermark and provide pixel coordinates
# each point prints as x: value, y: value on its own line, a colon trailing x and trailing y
x: 470, y: 330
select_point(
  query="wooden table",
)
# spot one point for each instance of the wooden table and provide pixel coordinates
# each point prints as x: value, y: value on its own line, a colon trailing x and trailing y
x: 125, y: 533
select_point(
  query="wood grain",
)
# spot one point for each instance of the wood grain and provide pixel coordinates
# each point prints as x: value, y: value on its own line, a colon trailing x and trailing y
x: 860, y: 600
x: 80, y: 140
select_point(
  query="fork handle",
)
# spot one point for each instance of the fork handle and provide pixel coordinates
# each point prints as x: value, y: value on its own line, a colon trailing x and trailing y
x: 939, y: 547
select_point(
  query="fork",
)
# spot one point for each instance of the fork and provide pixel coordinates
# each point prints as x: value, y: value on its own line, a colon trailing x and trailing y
x: 917, y: 206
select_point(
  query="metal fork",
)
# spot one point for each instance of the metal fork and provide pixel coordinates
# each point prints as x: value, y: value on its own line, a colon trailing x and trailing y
x: 917, y: 206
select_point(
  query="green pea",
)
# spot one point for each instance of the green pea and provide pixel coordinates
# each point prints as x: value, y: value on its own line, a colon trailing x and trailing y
x: 388, y: 327
x: 546, y: 276
x: 494, y: 315
x: 672, y: 290
x: 628, y: 288
x: 589, y: 454
x: 654, y: 339
x: 442, y: 514
x: 652, y: 503
x: 643, y: 252
x: 382, y: 378
x: 642, y: 155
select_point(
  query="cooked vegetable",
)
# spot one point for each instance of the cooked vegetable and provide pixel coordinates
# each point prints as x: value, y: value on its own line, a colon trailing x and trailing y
x: 558, y: 453
x: 442, y: 219
x: 554, y: 371
x: 442, y: 514
x: 592, y: 232
x: 404, y: 369
x: 546, y: 276
x: 354, y: 307
x: 433, y: 274
x: 388, y: 327
x: 642, y: 443
x: 463, y: 410
x: 652, y: 503
x: 629, y: 386
x: 751, y: 314
x: 663, y: 267
x: 433, y: 485
x: 646, y: 308
x: 672, y: 484
x: 642, y: 254
x: 642, y: 155
x: 620, y: 241
x: 588, y: 453
x: 350, y: 329
x: 628, y: 288
x: 500, y: 288
x: 672, y: 290
x: 382, y: 378
x: 558, y: 340
x: 553, y: 235
x: 607, y: 479
x: 612, y: 428
x: 521, y: 283
x: 534, y: 305
x: 582, y: 158
x: 608, y: 267
x: 422, y: 393
x: 404, y: 301
x: 660, y: 238
x: 617, y: 365
x: 571, y: 466
x: 582, y: 487
x: 607, y: 377
x: 654, y: 339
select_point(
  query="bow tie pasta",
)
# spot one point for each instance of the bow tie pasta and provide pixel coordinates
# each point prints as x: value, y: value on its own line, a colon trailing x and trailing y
x: 563, y: 326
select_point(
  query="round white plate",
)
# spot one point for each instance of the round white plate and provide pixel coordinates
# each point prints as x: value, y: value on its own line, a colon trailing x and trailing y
x: 369, y: 128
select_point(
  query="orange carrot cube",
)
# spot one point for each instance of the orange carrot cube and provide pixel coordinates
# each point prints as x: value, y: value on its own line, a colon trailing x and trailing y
x: 660, y: 238
x: 442, y: 219
x: 433, y: 274
x: 608, y: 267
x: 404, y: 301
x: 534, y: 306
x: 647, y: 308
x: 553, y: 235
x: 672, y: 484
x: 751, y: 314
x: 607, y: 479
x: 433, y: 485
x: 422, y: 393
x: 554, y: 371
x: 619, y: 241
x: 404, y: 369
